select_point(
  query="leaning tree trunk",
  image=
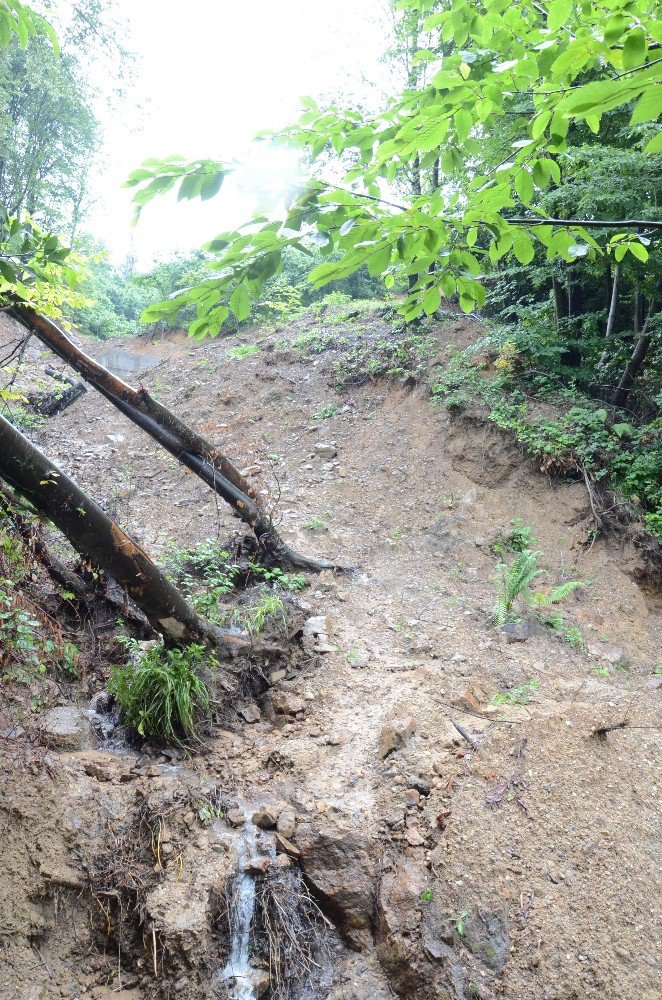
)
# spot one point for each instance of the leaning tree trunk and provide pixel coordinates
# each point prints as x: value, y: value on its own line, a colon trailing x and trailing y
x: 92, y: 533
x: 188, y: 447
x: 634, y: 365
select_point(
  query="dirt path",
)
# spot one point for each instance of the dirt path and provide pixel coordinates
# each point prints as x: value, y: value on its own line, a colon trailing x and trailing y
x: 523, y: 869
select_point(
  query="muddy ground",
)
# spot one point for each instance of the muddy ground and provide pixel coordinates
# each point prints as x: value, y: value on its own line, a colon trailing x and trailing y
x: 524, y: 867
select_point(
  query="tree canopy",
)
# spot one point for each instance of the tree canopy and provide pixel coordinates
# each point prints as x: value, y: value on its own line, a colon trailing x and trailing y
x: 535, y: 71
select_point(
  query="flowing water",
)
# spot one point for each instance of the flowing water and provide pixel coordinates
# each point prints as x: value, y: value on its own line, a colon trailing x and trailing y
x: 237, y: 970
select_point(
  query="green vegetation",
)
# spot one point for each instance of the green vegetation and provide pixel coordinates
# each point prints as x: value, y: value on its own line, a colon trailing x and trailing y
x: 586, y: 439
x: 30, y: 644
x: 514, y: 597
x: 160, y: 693
x: 326, y: 412
x: 242, y: 351
x: 254, y: 618
x: 207, y: 575
x: 520, y: 695
x: 314, y: 524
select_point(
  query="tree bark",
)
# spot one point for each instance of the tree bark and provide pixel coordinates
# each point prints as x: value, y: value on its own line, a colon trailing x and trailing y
x: 634, y: 365
x: 611, y: 319
x: 638, y: 309
x: 560, y: 302
x: 92, y: 533
x: 190, y: 448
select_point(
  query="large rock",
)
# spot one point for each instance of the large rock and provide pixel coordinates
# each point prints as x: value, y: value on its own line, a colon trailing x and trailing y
x: 395, y: 735
x: 181, y: 917
x: 286, y: 703
x: 486, y: 937
x: 67, y: 728
x: 342, y: 873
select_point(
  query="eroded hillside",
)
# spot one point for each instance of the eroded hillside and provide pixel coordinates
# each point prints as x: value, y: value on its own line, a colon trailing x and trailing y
x: 512, y: 857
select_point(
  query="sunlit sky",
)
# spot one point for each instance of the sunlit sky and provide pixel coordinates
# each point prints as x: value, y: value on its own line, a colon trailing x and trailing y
x: 209, y: 74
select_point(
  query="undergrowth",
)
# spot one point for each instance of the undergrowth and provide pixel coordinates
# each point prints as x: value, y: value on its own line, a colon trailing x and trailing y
x: 160, y: 692
x: 585, y: 440
x: 208, y: 573
x: 515, y: 598
x: 31, y: 643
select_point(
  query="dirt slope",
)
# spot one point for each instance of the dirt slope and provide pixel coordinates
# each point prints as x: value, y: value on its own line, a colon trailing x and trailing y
x: 524, y: 869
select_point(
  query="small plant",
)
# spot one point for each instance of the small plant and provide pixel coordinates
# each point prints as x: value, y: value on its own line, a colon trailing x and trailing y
x: 293, y: 582
x: 326, y: 412
x: 520, y: 695
x: 512, y: 583
x: 519, y: 538
x: 427, y: 895
x: 254, y: 619
x: 160, y: 693
x: 314, y: 524
x: 242, y: 351
x: 460, y: 922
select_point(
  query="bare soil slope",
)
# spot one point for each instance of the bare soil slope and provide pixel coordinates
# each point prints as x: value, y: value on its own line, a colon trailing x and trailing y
x: 525, y: 868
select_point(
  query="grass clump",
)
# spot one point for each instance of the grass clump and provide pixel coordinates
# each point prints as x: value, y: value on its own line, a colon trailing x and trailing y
x: 160, y: 692
x: 242, y: 351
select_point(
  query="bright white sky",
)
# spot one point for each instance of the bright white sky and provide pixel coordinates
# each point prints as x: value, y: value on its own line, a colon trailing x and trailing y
x: 209, y: 75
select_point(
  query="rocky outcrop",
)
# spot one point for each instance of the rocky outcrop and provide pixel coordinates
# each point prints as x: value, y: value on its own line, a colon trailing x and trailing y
x: 341, y: 871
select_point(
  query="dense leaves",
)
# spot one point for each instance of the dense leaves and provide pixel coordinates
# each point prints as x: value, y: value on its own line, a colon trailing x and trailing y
x: 535, y: 71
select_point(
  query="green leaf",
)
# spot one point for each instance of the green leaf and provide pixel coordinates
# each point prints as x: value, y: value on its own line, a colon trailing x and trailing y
x: 431, y: 300
x: 558, y: 14
x: 638, y: 250
x: 523, y: 247
x: 634, y: 48
x: 524, y: 186
x: 240, y: 302
x: 211, y: 185
x: 648, y: 107
x: 654, y: 145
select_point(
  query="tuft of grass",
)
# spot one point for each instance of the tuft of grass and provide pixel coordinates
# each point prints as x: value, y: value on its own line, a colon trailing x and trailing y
x: 160, y: 693
x: 242, y: 351
x: 314, y: 524
x: 326, y: 412
x: 255, y: 618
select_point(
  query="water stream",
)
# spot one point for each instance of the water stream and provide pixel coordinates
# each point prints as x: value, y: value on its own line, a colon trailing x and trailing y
x: 238, y: 970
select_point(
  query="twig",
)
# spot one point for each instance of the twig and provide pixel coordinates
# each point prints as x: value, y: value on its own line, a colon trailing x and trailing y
x: 156, y: 969
x: 601, y: 731
x: 465, y: 735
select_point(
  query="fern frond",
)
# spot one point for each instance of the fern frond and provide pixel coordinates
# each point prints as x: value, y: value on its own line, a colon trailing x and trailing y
x: 522, y: 573
x: 556, y: 594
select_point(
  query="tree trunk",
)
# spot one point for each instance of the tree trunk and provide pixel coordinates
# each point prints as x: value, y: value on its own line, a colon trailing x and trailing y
x: 634, y: 365
x: 92, y: 533
x: 186, y: 445
x: 560, y: 302
x: 612, y: 314
x: 638, y: 309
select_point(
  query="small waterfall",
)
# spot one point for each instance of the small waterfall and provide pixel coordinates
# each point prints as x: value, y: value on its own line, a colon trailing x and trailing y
x: 238, y: 969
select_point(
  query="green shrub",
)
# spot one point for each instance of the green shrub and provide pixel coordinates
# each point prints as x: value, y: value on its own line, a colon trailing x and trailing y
x: 160, y: 693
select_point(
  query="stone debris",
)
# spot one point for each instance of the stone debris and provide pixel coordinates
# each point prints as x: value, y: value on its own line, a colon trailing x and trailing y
x: 67, y: 727
x: 395, y: 735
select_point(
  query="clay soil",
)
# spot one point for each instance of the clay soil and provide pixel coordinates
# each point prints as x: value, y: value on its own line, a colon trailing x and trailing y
x: 526, y: 868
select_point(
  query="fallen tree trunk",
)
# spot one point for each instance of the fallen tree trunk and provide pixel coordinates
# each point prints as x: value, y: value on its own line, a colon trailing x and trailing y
x: 48, y: 404
x: 192, y: 450
x: 92, y: 533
